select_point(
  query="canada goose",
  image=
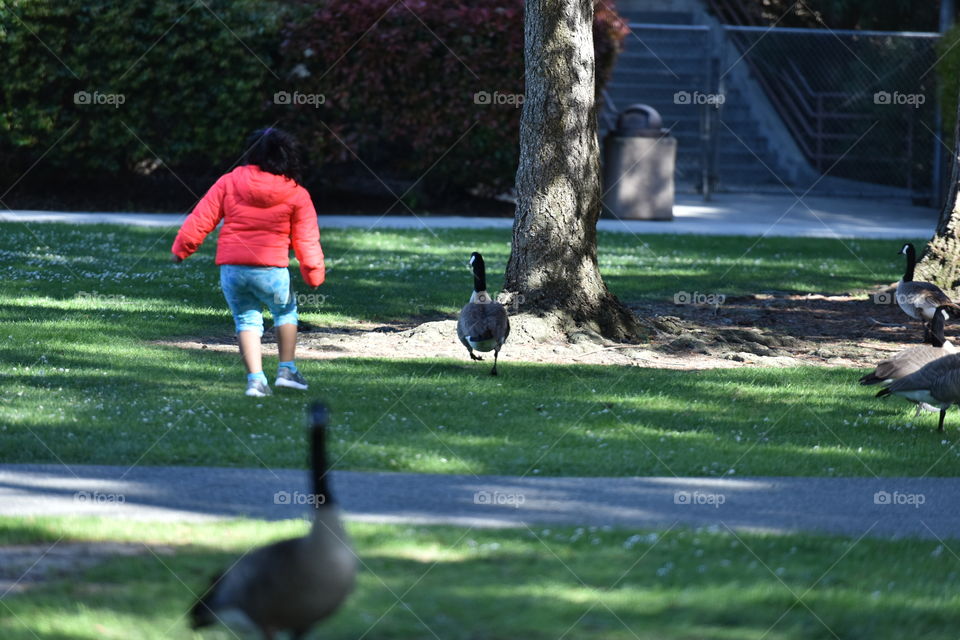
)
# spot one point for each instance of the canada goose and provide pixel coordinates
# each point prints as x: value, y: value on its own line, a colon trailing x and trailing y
x: 936, y: 383
x: 293, y: 584
x: 919, y: 300
x: 483, y: 323
x: 909, y: 360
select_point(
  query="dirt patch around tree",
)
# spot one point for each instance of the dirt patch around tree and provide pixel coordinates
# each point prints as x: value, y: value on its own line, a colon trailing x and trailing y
x: 756, y: 330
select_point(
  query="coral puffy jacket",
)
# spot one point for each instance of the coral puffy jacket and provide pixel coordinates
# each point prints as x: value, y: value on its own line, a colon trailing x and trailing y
x: 264, y: 215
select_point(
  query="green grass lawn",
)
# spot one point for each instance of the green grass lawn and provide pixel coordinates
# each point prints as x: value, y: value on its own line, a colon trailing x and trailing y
x: 83, y: 384
x: 453, y: 583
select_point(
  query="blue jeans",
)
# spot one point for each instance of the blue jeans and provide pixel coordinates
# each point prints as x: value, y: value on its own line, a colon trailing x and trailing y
x: 249, y: 289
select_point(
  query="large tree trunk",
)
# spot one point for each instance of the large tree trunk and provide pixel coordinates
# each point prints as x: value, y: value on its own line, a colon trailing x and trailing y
x: 553, y: 263
x: 940, y: 262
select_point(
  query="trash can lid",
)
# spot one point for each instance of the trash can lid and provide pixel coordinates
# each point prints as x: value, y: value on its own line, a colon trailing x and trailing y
x: 639, y: 120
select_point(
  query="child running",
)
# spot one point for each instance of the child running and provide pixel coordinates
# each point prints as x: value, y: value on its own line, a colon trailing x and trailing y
x: 265, y: 211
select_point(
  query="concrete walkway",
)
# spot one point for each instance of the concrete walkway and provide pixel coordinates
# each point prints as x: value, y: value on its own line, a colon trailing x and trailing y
x: 888, y: 507
x: 726, y: 214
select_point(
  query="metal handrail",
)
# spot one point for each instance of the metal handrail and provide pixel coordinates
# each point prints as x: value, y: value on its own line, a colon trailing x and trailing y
x: 668, y: 27
x: 836, y: 32
x: 794, y: 99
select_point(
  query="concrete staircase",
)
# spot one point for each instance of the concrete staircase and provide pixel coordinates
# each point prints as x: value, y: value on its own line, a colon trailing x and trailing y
x: 667, y: 57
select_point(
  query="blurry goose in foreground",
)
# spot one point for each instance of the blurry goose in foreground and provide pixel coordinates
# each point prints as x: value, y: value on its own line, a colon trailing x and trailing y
x: 483, y: 323
x: 920, y: 300
x: 293, y: 584
x: 936, y: 384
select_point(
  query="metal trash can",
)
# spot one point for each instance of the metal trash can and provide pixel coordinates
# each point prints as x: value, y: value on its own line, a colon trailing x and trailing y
x: 639, y: 158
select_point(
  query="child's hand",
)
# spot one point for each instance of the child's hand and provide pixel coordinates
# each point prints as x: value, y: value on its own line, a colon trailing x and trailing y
x: 175, y: 258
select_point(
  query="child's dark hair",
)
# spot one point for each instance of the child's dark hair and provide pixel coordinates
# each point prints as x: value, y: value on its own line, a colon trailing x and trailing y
x: 274, y: 151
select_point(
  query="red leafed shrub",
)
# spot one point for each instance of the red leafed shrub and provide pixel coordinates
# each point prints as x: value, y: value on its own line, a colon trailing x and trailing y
x: 418, y: 89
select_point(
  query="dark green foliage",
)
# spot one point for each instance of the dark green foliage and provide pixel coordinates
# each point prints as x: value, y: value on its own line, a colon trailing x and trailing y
x: 105, y: 103
x: 175, y: 79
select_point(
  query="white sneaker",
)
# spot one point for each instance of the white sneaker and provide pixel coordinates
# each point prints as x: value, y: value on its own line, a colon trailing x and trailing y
x: 290, y: 379
x: 257, y: 389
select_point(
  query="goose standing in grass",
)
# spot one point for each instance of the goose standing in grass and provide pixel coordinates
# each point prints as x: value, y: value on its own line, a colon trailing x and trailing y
x: 936, y: 384
x: 291, y: 585
x: 483, y: 323
x: 920, y: 300
x: 912, y: 359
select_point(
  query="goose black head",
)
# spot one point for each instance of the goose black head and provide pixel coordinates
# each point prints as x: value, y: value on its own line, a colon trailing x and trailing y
x: 479, y: 272
x: 940, y: 318
x: 908, y: 250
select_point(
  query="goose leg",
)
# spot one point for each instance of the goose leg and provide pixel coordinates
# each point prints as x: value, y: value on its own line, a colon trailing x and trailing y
x: 474, y: 356
x: 943, y: 412
x: 496, y: 354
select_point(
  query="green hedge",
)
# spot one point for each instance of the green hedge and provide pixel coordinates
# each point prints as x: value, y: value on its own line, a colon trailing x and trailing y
x: 164, y: 77
x: 95, y: 91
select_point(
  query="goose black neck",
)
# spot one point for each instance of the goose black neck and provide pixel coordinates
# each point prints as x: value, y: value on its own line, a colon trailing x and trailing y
x: 479, y: 275
x: 911, y: 263
x: 318, y: 457
x: 936, y: 329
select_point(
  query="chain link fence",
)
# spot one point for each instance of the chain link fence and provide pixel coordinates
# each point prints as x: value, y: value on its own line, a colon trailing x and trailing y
x: 860, y: 107
x: 847, y: 113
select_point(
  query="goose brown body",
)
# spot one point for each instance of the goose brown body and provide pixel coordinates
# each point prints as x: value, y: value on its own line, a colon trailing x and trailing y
x: 920, y: 300
x: 913, y: 358
x: 936, y: 384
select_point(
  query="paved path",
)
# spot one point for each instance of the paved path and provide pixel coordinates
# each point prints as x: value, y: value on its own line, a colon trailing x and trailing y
x: 727, y: 214
x: 928, y: 507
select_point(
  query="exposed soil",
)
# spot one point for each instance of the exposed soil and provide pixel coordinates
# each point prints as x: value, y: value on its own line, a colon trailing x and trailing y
x: 28, y: 565
x: 756, y: 330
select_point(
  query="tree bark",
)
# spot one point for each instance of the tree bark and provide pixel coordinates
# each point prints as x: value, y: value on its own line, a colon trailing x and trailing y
x: 553, y: 267
x: 940, y: 262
